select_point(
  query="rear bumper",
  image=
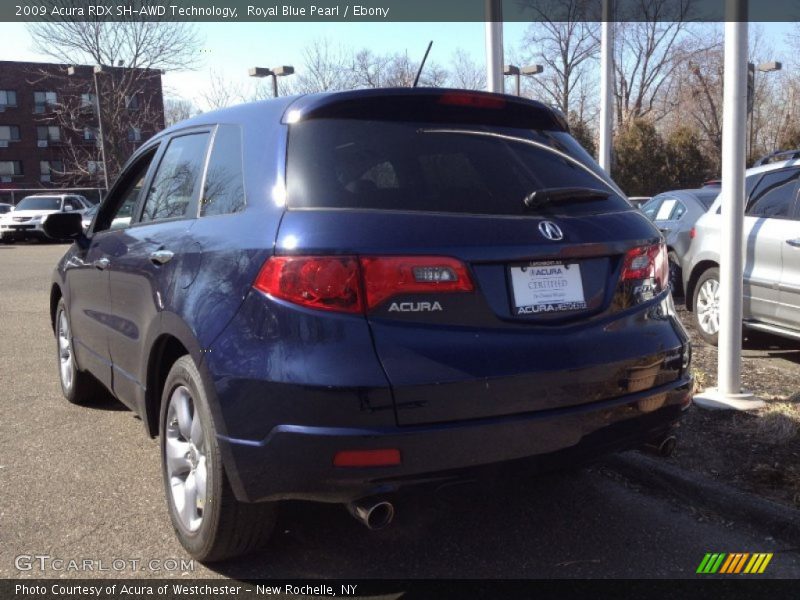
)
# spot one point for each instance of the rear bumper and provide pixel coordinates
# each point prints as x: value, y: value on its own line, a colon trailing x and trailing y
x: 296, y: 462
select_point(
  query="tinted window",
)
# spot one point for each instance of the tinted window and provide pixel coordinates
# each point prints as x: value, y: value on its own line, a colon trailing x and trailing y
x: 223, y: 192
x: 40, y: 203
x: 774, y: 194
x: 117, y: 210
x: 394, y: 165
x: 177, y: 178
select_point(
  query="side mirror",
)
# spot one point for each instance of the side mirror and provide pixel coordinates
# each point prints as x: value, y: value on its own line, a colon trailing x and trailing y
x: 64, y: 226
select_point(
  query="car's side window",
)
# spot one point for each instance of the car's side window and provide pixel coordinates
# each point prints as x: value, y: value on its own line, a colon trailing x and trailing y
x: 666, y: 210
x: 117, y: 210
x: 650, y: 208
x: 774, y: 195
x: 223, y: 192
x: 176, y: 181
x: 680, y: 210
x: 71, y: 204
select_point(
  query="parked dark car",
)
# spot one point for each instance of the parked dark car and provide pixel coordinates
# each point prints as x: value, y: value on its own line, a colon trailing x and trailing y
x: 332, y: 296
x: 675, y: 213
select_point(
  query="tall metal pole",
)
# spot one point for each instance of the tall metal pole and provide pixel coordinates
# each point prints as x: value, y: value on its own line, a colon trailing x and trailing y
x: 274, y: 85
x: 606, y: 86
x: 494, y: 46
x: 100, y: 129
x: 734, y: 137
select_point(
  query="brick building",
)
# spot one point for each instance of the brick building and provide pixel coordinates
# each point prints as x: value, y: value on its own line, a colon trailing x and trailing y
x: 49, y: 126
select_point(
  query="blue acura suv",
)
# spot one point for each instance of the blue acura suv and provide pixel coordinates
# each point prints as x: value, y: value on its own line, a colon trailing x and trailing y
x: 332, y: 296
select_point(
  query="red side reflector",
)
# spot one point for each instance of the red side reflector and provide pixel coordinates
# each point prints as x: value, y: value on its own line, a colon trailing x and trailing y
x: 387, y: 276
x: 692, y: 233
x: 472, y: 100
x: 386, y: 457
x: 323, y: 282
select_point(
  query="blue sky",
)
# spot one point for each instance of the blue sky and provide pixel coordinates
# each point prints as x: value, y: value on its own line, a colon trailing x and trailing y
x: 231, y: 48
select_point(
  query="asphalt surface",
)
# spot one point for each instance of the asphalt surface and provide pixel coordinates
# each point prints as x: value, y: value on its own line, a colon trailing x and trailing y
x: 81, y: 483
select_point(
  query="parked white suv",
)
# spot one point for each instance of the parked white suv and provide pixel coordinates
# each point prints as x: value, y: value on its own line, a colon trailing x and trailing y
x: 25, y: 221
x: 771, y: 256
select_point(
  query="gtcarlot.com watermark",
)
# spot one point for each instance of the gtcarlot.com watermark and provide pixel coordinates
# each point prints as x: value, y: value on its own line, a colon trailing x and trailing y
x: 44, y: 563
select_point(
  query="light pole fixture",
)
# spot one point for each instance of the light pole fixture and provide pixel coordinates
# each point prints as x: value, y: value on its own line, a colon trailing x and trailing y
x: 274, y: 72
x: 97, y: 69
x: 517, y: 72
x: 767, y: 67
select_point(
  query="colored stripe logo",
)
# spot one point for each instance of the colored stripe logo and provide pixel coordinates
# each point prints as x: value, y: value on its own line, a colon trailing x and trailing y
x: 735, y: 563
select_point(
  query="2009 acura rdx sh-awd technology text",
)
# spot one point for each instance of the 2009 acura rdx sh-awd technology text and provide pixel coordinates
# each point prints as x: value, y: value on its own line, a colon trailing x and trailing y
x: 331, y: 296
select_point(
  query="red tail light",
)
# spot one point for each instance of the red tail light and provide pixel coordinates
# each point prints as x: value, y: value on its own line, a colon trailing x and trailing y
x: 336, y: 282
x: 647, y: 262
x: 389, y: 276
x: 692, y: 233
x: 324, y: 282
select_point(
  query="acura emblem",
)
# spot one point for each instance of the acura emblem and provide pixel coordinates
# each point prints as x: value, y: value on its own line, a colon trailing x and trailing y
x: 551, y: 231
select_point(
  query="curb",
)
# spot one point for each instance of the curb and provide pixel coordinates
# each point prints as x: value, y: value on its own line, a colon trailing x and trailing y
x: 779, y: 521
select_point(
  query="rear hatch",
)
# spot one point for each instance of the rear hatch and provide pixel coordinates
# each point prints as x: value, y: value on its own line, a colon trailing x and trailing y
x: 490, y: 252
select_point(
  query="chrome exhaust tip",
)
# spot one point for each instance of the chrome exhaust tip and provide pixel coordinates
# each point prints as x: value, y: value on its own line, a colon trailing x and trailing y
x: 374, y: 514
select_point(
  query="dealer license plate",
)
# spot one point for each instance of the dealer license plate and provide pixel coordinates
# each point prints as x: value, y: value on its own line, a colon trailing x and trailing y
x: 547, y: 287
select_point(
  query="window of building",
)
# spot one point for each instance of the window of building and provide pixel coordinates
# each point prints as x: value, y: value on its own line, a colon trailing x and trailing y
x: 10, y: 168
x: 176, y: 181
x: 8, y: 98
x: 94, y: 167
x: 88, y: 101
x: 51, y: 167
x: 48, y: 133
x: 9, y: 133
x: 134, y: 134
x: 89, y: 134
x: 132, y: 102
x: 44, y: 101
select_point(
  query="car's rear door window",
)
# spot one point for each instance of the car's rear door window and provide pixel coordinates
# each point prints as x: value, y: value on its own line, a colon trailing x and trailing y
x: 421, y: 166
x: 223, y: 191
x: 774, y: 195
x: 175, y: 185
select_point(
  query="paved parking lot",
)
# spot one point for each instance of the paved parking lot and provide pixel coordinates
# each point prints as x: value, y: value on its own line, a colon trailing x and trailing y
x: 84, y: 483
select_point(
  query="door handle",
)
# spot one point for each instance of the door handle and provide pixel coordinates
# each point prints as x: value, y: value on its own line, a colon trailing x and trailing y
x: 795, y: 243
x: 101, y: 263
x: 161, y: 257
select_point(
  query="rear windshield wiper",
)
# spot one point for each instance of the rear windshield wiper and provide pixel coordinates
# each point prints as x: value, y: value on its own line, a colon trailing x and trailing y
x: 544, y: 196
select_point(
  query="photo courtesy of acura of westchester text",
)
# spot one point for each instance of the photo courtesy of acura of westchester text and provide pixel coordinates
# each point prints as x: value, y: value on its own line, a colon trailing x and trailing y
x: 496, y: 293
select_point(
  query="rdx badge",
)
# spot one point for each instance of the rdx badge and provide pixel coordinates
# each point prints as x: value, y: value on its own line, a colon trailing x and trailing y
x: 415, y: 307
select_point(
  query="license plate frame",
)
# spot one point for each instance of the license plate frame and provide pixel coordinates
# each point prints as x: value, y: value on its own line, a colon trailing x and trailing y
x: 546, y: 287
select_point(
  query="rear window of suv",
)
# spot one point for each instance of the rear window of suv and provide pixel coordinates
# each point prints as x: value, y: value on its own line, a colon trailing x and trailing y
x: 423, y: 166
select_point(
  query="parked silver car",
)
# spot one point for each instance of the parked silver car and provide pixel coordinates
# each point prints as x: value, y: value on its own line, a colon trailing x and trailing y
x: 675, y: 213
x: 771, y: 252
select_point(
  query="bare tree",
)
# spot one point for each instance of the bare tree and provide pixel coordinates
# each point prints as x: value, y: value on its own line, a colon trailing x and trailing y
x: 647, y: 56
x: 178, y: 109
x: 126, y: 100
x: 565, y: 48
x: 327, y: 67
x: 465, y: 73
x: 222, y: 92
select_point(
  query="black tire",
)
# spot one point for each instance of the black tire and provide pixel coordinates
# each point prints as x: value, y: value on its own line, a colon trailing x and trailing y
x: 79, y: 387
x: 227, y: 528
x: 698, y: 303
x: 675, y: 274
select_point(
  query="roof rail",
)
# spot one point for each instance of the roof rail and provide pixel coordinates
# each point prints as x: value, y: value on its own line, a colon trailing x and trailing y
x: 782, y: 154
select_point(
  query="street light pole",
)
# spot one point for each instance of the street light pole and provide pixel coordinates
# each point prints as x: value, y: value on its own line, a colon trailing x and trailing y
x: 766, y: 67
x: 517, y: 72
x: 99, y: 69
x: 606, y: 86
x: 95, y: 70
x: 274, y: 72
x: 494, y: 46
